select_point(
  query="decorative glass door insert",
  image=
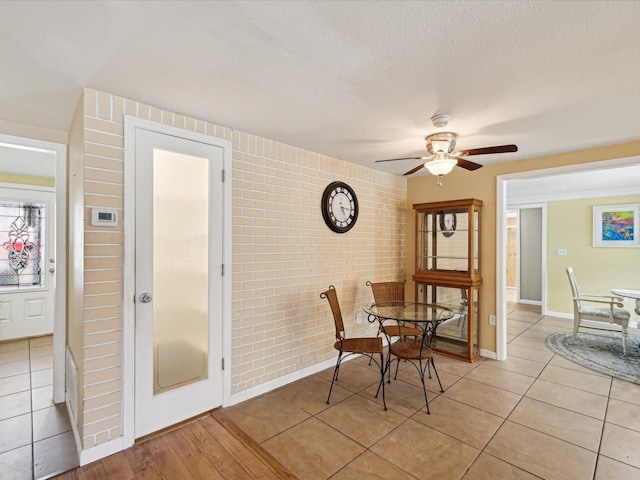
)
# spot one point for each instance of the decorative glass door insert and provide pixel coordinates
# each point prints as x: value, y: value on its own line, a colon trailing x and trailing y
x: 22, y: 243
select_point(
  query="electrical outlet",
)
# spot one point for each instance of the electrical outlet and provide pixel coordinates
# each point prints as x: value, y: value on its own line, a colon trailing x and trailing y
x: 492, y: 319
x: 358, y: 318
x: 562, y: 252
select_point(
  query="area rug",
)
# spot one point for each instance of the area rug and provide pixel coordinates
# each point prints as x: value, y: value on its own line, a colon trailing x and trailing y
x: 601, y: 352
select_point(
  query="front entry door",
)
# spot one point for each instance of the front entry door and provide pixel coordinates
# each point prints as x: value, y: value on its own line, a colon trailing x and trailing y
x: 178, y: 286
x: 27, y: 263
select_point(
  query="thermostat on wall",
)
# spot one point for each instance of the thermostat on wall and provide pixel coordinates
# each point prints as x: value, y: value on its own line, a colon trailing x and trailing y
x: 104, y: 217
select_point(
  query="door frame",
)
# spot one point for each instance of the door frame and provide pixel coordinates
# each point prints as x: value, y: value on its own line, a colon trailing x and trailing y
x: 60, y: 316
x: 543, y: 243
x: 131, y: 124
x: 501, y: 232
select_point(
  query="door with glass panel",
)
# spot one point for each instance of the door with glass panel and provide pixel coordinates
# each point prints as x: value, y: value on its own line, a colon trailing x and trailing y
x: 27, y: 263
x: 178, y: 313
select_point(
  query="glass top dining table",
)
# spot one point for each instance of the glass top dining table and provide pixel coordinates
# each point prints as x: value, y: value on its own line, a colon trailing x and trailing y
x: 426, y: 317
x: 414, y: 312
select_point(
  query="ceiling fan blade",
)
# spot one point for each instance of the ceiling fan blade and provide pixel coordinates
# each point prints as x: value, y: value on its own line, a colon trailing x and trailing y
x: 404, y: 158
x: 414, y: 170
x: 466, y: 164
x: 489, y: 150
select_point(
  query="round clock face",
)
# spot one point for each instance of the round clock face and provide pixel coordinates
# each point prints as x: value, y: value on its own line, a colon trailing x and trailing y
x: 339, y: 207
x: 448, y: 223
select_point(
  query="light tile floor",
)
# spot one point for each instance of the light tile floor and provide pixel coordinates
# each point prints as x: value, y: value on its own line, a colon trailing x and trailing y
x: 535, y: 415
x: 36, y: 441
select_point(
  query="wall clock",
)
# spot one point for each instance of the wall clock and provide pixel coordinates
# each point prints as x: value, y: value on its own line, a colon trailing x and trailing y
x: 448, y: 223
x: 339, y: 207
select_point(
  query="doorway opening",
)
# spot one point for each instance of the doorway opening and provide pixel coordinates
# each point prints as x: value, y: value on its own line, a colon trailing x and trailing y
x: 596, y: 178
x: 33, y: 307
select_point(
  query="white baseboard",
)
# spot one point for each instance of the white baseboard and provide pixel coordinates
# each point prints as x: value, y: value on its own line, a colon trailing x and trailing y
x: 101, y: 451
x: 282, y: 381
x: 488, y: 354
x: 98, y: 452
x: 287, y: 379
x: 74, y: 427
x: 530, y: 302
x: 568, y: 316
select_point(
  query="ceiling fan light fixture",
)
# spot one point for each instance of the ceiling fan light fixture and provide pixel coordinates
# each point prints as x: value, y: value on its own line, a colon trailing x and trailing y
x: 440, y: 166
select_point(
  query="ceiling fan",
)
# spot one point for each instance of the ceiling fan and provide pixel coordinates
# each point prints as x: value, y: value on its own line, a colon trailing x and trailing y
x: 442, y: 159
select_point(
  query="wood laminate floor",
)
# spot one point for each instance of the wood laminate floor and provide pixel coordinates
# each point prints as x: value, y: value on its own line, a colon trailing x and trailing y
x: 207, y: 448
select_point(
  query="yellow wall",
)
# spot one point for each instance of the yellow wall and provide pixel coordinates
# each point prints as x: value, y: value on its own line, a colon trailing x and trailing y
x: 481, y: 184
x: 569, y: 226
x: 27, y: 180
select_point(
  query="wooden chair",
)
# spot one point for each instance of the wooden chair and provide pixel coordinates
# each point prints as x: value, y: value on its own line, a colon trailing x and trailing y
x: 349, y: 346
x: 607, y: 312
x: 384, y: 292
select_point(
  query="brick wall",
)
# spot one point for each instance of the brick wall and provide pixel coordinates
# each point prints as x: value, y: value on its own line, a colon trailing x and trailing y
x: 283, y: 254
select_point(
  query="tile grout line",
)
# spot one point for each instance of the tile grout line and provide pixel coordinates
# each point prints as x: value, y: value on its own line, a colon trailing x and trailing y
x: 514, y: 407
x: 33, y: 454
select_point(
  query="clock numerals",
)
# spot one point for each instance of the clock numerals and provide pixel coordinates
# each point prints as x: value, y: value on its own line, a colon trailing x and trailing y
x: 339, y: 207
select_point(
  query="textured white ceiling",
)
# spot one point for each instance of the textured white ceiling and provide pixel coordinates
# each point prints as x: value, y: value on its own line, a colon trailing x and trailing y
x: 356, y: 80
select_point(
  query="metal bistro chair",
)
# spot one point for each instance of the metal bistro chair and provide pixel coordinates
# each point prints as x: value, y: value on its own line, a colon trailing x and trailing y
x: 384, y: 292
x: 349, y: 346
x: 417, y: 350
x: 606, y: 311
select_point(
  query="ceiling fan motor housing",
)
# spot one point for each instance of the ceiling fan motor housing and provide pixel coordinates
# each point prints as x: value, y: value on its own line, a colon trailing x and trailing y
x: 443, y: 142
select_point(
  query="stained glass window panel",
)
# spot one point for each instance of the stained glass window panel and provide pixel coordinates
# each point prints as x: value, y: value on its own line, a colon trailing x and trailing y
x: 22, y: 245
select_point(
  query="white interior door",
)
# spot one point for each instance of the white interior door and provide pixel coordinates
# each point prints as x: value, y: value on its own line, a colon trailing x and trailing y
x: 27, y: 263
x: 178, y: 287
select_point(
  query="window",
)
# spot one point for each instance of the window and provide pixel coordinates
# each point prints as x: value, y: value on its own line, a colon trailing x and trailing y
x: 22, y: 248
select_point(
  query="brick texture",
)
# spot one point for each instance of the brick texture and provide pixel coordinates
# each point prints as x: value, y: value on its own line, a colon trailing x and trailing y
x: 283, y: 254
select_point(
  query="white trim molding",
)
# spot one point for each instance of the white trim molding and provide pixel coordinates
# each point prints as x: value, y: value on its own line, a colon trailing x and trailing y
x: 131, y: 124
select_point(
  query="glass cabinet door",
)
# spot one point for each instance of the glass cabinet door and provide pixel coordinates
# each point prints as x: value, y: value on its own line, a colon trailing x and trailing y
x: 443, y: 241
x: 459, y: 335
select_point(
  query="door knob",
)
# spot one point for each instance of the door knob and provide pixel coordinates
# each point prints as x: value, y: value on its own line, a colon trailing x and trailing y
x: 145, y: 297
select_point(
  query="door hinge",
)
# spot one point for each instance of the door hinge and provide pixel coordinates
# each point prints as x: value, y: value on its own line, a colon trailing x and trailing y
x: 223, y: 269
x: 223, y: 363
x: 223, y: 174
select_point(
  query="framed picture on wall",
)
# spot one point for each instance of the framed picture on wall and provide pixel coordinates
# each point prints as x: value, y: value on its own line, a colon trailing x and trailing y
x: 616, y: 226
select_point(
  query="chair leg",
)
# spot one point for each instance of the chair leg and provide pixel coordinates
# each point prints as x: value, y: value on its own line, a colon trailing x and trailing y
x: 576, y: 325
x: 396, y: 375
x: 424, y: 388
x: 383, y: 367
x: 383, y: 370
x: 377, y: 335
x: 437, y: 376
x: 624, y: 339
x: 335, y: 375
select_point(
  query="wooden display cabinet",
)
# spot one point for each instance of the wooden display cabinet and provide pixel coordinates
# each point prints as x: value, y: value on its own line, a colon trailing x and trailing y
x: 447, y: 270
